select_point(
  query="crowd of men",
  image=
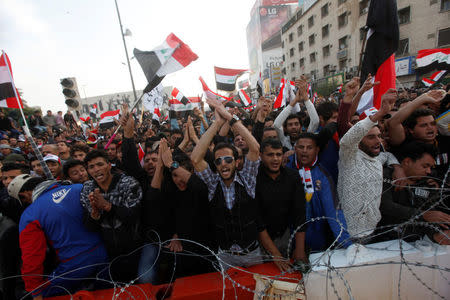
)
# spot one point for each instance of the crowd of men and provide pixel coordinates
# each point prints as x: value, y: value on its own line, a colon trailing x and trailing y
x: 218, y: 188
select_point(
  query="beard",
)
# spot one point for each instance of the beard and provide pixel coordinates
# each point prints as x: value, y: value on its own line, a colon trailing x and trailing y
x: 366, y: 149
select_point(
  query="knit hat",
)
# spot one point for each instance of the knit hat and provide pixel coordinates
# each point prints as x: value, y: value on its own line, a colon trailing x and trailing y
x: 14, y: 157
x: 16, y: 185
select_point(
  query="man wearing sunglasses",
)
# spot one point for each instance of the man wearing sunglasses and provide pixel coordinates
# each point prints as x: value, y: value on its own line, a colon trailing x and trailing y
x: 231, y: 193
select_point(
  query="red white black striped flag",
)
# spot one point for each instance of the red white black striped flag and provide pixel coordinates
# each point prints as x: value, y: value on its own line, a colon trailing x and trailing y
x: 226, y: 78
x: 171, y: 56
x: 179, y: 96
x: 435, y: 77
x: 210, y: 94
x: 433, y: 59
x: 8, y: 90
x: 379, y: 60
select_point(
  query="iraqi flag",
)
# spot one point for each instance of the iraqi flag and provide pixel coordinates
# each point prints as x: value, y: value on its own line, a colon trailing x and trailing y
x: 210, y: 94
x: 171, y: 56
x: 93, y: 112
x: 7, y: 94
x: 243, y: 96
x: 286, y: 94
x: 141, y: 155
x: 179, y: 96
x: 379, y: 60
x: 176, y: 105
x: 433, y: 59
x: 434, y: 78
x: 259, y: 86
x: 107, y: 118
x: 226, y: 78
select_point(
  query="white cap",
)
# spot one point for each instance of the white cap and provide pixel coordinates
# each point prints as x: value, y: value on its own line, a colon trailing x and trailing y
x: 52, y: 157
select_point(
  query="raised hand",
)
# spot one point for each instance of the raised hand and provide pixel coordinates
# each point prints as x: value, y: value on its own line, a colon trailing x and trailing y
x: 302, y: 92
x: 388, y: 100
x: 368, y: 84
x: 352, y: 87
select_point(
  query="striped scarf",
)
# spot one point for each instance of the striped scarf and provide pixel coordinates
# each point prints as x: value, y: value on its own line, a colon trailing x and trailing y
x: 305, y: 175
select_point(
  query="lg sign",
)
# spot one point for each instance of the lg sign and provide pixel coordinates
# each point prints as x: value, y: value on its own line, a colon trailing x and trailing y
x: 264, y: 11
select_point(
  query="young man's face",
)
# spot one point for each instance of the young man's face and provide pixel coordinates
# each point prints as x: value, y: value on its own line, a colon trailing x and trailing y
x: 63, y: 148
x: 270, y: 134
x: 8, y: 176
x: 13, y: 142
x: 55, y: 168
x: 37, y: 167
x: 78, y: 174
x: 239, y: 142
x: 293, y: 127
x: 100, y: 170
x: 371, y: 143
x: 112, y: 152
x: 421, y: 167
x: 225, y: 169
x: 79, y: 155
x: 150, y: 161
x: 425, y: 129
x: 272, y: 158
x: 306, y: 151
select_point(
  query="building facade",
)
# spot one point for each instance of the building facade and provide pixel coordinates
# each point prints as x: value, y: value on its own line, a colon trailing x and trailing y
x: 325, y: 38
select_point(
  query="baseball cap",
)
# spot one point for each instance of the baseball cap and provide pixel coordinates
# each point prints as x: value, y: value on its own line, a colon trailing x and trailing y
x: 52, y: 157
x: 16, y: 185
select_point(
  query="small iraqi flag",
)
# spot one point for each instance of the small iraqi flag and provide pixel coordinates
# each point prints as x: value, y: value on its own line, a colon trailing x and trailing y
x: 7, y: 88
x: 226, y: 78
x: 432, y: 59
x: 141, y: 155
x: 245, y: 99
x: 210, y: 94
x: 179, y: 96
x: 107, y: 118
x: 434, y: 78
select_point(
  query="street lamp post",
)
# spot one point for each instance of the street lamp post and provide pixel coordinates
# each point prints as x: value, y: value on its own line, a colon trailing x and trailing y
x: 127, y: 33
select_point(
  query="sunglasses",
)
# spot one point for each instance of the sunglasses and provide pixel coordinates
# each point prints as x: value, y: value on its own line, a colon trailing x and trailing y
x: 227, y: 159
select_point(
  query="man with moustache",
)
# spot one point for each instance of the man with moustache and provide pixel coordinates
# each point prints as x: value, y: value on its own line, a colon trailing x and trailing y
x: 360, y: 181
x: 321, y: 199
x: 281, y: 201
x: 231, y: 193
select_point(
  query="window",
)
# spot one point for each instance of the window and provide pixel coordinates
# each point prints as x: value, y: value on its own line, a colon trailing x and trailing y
x: 326, y: 51
x: 312, y: 57
x: 404, y: 15
x: 314, y: 74
x: 293, y: 66
x: 363, y: 7
x: 326, y: 70
x: 291, y: 37
x: 341, y: 1
x: 310, y: 21
x: 300, y: 46
x: 444, y: 37
x: 325, y: 31
x: 291, y: 52
x: 301, y: 62
x: 299, y: 30
x: 343, y: 43
x: 342, y: 64
x: 282, y: 44
x: 342, y: 20
x: 284, y: 58
x: 403, y: 47
x: 324, y: 10
x: 362, y: 33
x: 311, y: 39
x: 445, y: 5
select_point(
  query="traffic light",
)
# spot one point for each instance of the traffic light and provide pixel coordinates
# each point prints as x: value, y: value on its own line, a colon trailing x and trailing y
x: 70, y: 91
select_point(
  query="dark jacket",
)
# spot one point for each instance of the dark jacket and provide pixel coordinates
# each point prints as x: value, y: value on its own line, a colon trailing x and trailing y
x: 119, y: 228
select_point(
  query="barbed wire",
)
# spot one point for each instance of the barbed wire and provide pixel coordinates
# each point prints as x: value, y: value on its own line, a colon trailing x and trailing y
x: 321, y: 263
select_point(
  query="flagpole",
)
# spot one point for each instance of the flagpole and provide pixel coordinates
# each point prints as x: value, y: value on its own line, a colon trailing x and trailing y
x: 362, y: 53
x: 126, y: 51
x: 45, y: 168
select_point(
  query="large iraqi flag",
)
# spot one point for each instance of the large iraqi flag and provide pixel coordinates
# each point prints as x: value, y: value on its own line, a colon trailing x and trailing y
x: 379, y: 56
x: 171, y: 56
x: 7, y: 94
x: 226, y: 78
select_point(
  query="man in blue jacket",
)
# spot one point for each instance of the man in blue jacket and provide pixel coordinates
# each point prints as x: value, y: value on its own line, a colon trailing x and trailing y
x: 321, y: 197
x: 54, y: 219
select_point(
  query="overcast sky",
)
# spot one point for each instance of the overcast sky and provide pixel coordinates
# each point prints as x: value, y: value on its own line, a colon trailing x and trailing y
x: 47, y: 40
